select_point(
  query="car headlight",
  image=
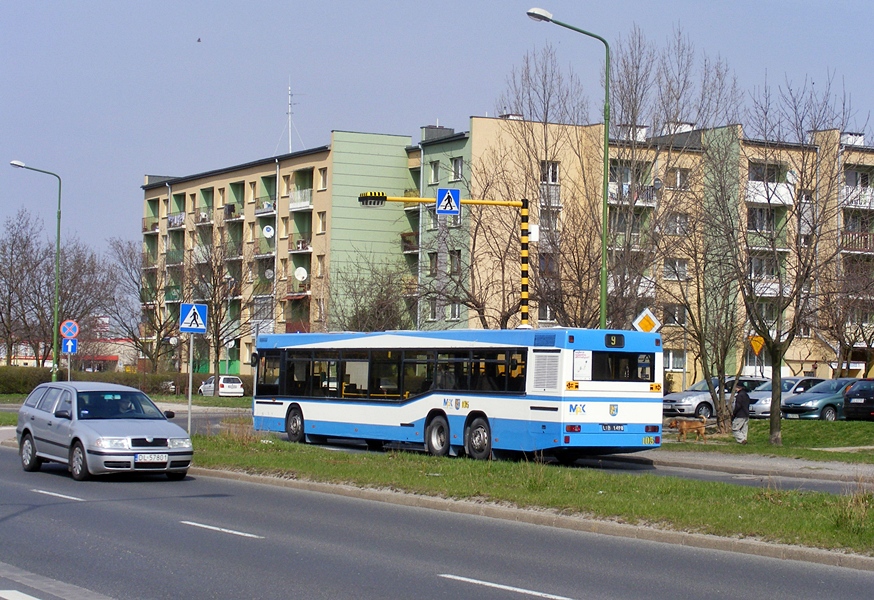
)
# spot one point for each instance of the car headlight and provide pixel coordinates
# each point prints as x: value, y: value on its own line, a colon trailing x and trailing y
x: 809, y: 403
x: 113, y: 443
x: 179, y: 443
x: 765, y: 402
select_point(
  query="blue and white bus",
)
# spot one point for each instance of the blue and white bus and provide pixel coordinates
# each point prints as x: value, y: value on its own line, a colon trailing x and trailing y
x: 483, y: 393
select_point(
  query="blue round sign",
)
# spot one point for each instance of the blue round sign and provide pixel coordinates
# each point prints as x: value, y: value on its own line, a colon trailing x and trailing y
x: 69, y: 329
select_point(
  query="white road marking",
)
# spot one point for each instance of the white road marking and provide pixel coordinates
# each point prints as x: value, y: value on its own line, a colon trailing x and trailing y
x: 505, y: 588
x: 56, y: 495
x: 222, y: 530
x: 15, y: 595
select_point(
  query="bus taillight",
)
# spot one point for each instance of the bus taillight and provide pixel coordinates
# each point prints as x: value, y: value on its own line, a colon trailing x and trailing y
x: 573, y: 428
x: 651, y: 429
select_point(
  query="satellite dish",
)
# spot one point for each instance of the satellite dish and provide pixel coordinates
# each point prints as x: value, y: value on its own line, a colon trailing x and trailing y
x: 231, y: 343
x: 300, y: 274
x: 268, y: 231
x: 268, y: 274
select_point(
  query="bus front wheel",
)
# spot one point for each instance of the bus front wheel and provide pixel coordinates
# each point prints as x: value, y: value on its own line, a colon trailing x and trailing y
x: 479, y: 439
x: 437, y: 436
x: 294, y: 425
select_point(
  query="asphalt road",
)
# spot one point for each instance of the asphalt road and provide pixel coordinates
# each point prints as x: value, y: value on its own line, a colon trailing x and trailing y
x: 147, y: 537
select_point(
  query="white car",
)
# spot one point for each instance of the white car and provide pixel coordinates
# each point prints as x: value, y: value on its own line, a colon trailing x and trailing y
x: 229, y: 385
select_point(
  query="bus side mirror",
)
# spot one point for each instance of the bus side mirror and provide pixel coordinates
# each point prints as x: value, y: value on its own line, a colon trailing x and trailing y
x: 254, y: 360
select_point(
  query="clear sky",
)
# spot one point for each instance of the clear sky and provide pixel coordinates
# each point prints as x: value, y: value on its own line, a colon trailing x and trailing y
x: 103, y: 92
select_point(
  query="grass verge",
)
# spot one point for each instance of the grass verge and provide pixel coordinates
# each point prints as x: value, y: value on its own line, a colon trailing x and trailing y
x: 810, y: 519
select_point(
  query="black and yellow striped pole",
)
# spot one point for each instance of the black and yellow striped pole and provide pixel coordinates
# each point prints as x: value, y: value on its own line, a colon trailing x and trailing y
x: 380, y: 198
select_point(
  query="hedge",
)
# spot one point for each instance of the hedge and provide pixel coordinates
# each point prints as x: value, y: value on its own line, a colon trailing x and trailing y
x: 20, y: 380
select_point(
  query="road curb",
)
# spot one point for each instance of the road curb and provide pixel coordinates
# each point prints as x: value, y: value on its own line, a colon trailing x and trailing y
x: 554, y: 519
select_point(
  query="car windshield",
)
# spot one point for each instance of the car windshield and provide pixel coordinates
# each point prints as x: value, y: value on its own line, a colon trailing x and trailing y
x: 701, y: 386
x: 785, y: 386
x: 829, y: 386
x: 116, y: 405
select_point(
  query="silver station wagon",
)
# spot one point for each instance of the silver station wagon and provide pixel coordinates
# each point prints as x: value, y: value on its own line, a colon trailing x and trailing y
x: 99, y: 428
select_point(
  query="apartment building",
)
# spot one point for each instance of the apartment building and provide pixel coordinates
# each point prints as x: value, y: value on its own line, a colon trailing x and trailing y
x: 256, y: 241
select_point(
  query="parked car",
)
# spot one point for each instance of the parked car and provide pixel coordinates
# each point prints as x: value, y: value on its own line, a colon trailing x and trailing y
x: 98, y: 428
x: 760, y: 398
x: 696, y: 400
x: 823, y: 401
x: 229, y: 385
x: 859, y: 401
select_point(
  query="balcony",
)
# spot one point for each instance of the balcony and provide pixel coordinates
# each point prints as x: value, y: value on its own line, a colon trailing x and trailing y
x: 857, y: 241
x: 204, y: 216
x: 176, y: 220
x: 262, y: 287
x: 174, y: 257
x: 264, y: 246
x: 265, y: 205
x: 202, y: 254
x: 172, y: 293
x: 410, y: 242
x: 858, y: 197
x: 233, y: 250
x: 761, y: 192
x: 150, y: 260
x: 295, y: 287
x: 150, y: 224
x: 631, y: 195
x: 233, y: 211
x: 300, y: 200
x: 300, y: 242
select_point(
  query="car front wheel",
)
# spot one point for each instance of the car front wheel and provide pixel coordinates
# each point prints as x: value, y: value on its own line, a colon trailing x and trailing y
x: 704, y: 410
x: 29, y: 460
x: 828, y: 413
x: 79, y: 463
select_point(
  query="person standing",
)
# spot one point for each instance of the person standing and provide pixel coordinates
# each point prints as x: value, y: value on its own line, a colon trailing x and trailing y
x: 740, y: 416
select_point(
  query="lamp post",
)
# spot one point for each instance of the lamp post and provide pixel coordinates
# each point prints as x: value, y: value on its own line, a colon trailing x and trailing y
x: 539, y: 14
x: 55, y: 320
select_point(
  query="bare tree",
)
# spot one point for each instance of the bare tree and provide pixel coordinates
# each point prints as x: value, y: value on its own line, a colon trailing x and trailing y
x: 365, y: 296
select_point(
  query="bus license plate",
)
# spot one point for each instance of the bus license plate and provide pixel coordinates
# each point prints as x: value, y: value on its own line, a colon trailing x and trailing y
x: 612, y: 427
x: 150, y: 458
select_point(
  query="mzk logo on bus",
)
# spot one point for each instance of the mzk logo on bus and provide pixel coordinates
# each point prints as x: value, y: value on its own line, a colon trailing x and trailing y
x: 457, y: 403
x: 578, y: 409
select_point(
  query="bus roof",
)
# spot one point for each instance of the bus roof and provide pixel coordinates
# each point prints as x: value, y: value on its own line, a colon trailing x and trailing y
x: 453, y: 338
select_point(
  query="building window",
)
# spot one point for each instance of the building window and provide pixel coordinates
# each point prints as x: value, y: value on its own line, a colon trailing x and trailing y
x: 760, y: 219
x: 856, y: 178
x: 677, y: 179
x: 549, y: 219
x: 676, y: 223
x: 457, y: 168
x: 674, y: 314
x: 453, y: 220
x: 320, y: 265
x: 455, y: 262
x: 454, y: 311
x: 548, y: 265
x: 675, y: 269
x: 763, y: 267
x: 548, y: 172
x: 432, y: 309
x: 767, y: 173
x: 435, y: 172
x: 322, y: 222
x: 432, y: 264
x: 432, y: 219
x: 286, y: 185
x: 545, y: 312
x: 675, y: 360
x: 323, y: 178
x: 768, y: 312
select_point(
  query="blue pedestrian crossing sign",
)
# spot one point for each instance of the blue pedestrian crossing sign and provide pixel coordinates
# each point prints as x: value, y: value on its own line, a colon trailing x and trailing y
x: 71, y: 345
x: 192, y: 318
x: 448, y: 201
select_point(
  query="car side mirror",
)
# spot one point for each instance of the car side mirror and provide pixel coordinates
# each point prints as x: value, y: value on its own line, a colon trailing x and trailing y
x: 169, y: 414
x: 63, y: 413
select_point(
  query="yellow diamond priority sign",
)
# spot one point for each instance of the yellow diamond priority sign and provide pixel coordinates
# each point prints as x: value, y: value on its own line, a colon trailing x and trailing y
x: 647, y: 322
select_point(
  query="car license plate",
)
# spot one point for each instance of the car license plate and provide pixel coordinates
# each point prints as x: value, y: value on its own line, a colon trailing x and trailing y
x: 612, y: 427
x: 666, y: 406
x: 791, y: 416
x: 857, y: 401
x: 150, y: 458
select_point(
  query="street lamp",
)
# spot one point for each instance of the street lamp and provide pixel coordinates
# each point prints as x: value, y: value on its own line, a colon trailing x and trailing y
x: 539, y: 14
x: 55, y: 320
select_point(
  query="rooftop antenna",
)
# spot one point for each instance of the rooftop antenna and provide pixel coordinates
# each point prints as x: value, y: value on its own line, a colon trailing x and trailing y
x: 290, y: 96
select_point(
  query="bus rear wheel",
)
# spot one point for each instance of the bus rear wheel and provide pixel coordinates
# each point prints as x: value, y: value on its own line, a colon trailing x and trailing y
x: 294, y: 425
x: 437, y: 436
x: 479, y: 439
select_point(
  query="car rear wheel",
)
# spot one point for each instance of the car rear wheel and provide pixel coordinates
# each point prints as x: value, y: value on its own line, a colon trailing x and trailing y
x: 828, y: 413
x: 29, y: 460
x: 79, y: 463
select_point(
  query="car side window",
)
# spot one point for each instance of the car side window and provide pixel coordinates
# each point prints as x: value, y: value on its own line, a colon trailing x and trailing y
x: 48, y: 401
x: 34, y: 397
x: 66, y: 403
